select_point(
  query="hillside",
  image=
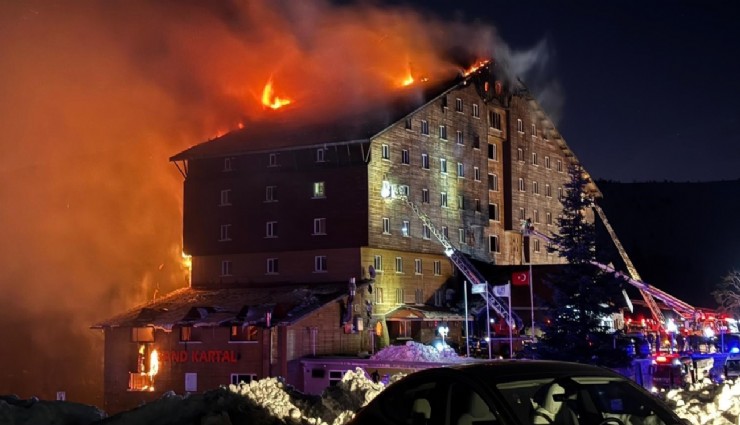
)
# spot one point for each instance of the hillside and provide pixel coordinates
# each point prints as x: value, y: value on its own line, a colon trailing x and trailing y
x: 681, y: 237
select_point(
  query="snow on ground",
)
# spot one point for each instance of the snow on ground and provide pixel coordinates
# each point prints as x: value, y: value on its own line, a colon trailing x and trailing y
x: 270, y: 401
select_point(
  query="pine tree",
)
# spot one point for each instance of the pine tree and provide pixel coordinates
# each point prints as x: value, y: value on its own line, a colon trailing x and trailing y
x: 583, y: 295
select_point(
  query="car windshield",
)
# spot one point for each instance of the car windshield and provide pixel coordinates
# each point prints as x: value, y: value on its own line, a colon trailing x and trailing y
x: 581, y: 400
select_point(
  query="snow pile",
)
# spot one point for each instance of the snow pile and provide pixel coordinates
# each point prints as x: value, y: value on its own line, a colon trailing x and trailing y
x: 415, y: 352
x: 707, y: 404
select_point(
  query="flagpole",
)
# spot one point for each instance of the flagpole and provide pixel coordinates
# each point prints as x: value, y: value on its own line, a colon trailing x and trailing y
x: 467, y: 330
x: 511, y: 337
x: 531, y: 296
x: 488, y: 322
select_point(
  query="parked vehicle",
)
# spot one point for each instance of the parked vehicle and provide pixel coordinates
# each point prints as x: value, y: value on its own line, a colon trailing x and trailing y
x: 732, y: 367
x: 515, y: 392
x: 673, y: 371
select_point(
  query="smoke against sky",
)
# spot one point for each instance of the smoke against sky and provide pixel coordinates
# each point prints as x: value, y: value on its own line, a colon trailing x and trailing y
x: 98, y: 95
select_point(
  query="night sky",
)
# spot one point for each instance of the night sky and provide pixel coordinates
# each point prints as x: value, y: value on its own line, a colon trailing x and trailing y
x: 640, y: 90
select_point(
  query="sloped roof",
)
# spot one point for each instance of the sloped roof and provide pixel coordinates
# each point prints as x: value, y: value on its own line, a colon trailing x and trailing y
x: 217, y: 307
x: 423, y: 312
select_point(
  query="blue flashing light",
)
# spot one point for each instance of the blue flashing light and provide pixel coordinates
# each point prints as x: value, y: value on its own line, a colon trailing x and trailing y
x: 735, y: 350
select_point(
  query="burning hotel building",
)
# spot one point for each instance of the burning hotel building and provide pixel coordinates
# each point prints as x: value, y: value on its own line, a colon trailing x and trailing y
x: 323, y: 238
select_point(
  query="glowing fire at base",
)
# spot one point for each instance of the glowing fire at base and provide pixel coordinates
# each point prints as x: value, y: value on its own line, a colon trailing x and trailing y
x: 269, y: 99
x: 153, y: 364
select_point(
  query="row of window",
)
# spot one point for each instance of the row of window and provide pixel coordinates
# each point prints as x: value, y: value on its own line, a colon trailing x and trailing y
x: 385, y: 154
x: 536, y: 162
x: 272, y: 266
x: 533, y: 130
x: 318, y: 191
x: 522, y: 185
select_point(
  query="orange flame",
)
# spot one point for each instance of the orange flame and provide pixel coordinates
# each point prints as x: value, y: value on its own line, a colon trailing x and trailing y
x: 269, y: 99
x: 476, y: 66
x: 153, y: 363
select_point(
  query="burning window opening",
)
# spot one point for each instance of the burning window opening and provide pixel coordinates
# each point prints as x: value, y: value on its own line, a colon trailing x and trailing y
x: 270, y: 100
x: 147, y: 365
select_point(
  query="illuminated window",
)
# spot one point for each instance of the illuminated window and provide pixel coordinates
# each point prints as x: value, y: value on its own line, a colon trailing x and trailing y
x: 443, y: 200
x: 228, y: 165
x: 225, y: 230
x: 437, y: 267
x: 319, y: 263
x: 519, y: 155
x: 493, y: 213
x: 191, y: 382
x: 460, y: 170
x: 476, y: 174
x: 522, y: 186
x: 226, y: 267
x: 417, y: 266
x: 271, y: 194
x: 476, y: 110
x: 492, y: 152
x: 272, y: 266
x: 399, y: 265
x: 242, y: 378
x: 319, y: 190
x: 534, y: 158
x: 425, y: 127
x: 225, y: 197
x: 320, y: 155
x: 405, y: 156
x: 443, y: 132
x: 443, y: 166
x: 385, y: 152
x: 189, y: 334
x: 493, y: 245
x: 405, y: 228
x: 494, y: 120
x: 319, y: 226
x: 378, y: 292
x: 386, y: 226
x: 425, y: 161
x: 458, y: 105
x: 403, y: 189
x: 459, y: 137
x: 519, y: 126
x: 271, y: 229
x: 425, y: 196
x: 243, y: 333
x: 426, y: 232
x: 378, y: 263
x: 272, y: 160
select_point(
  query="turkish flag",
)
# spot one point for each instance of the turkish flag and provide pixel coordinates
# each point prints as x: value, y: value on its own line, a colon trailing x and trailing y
x: 520, y: 278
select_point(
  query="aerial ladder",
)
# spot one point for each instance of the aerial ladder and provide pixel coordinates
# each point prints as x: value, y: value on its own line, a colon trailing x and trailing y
x: 463, y: 264
x: 648, y: 292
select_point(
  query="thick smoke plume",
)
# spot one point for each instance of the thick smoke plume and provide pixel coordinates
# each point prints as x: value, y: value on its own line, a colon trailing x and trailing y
x: 97, y: 95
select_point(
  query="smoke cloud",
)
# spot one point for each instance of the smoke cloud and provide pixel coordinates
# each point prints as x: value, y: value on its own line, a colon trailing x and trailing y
x: 97, y: 95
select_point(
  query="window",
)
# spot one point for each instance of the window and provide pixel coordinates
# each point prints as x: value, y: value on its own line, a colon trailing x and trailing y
x: 443, y: 166
x: 534, y: 158
x: 189, y: 334
x: 535, y: 187
x: 225, y: 228
x: 385, y: 151
x: 560, y: 193
x: 419, y: 296
x: 319, y: 263
x: 536, y: 216
x: 519, y: 155
x: 246, y: 378
x: 142, y: 334
x: 399, y: 300
x: 547, y: 162
x: 425, y: 161
x: 492, y: 152
x: 536, y: 245
x: 319, y: 226
x: 405, y: 156
x: 379, y: 299
x: 534, y: 130
x: 425, y: 127
x: 492, y: 182
x: 335, y: 377
x: 548, y: 218
x: 477, y: 205
x: 386, y: 226
x: 408, y: 123
x: 225, y: 197
x: 459, y: 137
x: 404, y: 190
x: 460, y: 202
x: 494, y: 120
x: 548, y: 190
x: 493, y: 244
x: 226, y: 267
x: 444, y: 102
x: 271, y: 194
x: 417, y: 266
x: 458, y: 105
x: 272, y: 160
x: 476, y: 141
x: 271, y: 229
x: 399, y: 265
x: 191, y: 382
x: 228, y: 165
x: 559, y: 164
x: 437, y: 267
x: 405, y: 228
x: 522, y: 187
x: 476, y: 174
x: 378, y: 263
x: 272, y: 266
x: 493, y: 212
x: 443, y: 132
x: 243, y: 333
x: 426, y: 232
x: 522, y: 213
x: 476, y: 110
x: 320, y: 155
x: 446, y: 232
x: 319, y: 190
x: 425, y: 196
x: 461, y: 236
x: 460, y: 170
x: 519, y: 126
